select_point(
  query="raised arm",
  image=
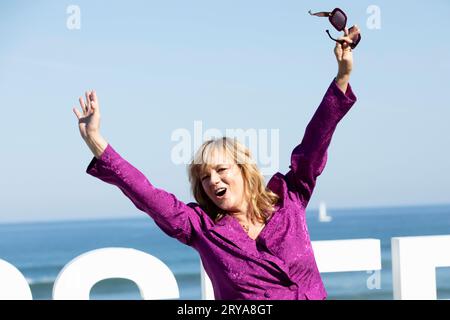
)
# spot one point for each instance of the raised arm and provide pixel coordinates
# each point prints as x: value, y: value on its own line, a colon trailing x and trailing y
x: 174, y: 217
x: 308, y: 159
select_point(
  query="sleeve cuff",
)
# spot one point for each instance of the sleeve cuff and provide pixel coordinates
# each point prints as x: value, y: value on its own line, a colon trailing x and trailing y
x: 348, y: 97
x: 105, y: 160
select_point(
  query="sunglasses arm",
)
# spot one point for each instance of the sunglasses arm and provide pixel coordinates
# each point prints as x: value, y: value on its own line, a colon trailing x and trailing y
x: 339, y: 41
x: 320, y: 14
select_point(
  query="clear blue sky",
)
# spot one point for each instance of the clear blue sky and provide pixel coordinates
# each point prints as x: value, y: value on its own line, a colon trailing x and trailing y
x: 158, y: 66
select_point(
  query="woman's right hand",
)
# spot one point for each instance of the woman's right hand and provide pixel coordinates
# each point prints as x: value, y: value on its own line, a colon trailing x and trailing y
x: 89, y: 120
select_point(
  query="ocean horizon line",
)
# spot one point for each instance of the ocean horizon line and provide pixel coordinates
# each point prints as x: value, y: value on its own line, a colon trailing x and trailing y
x: 129, y: 217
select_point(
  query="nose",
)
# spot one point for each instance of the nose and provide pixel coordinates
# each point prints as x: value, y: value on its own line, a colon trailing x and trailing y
x: 215, y: 178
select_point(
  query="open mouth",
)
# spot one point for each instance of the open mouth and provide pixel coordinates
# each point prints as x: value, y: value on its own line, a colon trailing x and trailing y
x: 220, y: 192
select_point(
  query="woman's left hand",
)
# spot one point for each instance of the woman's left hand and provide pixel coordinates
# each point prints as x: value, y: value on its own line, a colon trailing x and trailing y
x: 344, y: 55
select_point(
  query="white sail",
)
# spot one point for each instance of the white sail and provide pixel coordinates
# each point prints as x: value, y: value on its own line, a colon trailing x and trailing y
x: 323, y: 217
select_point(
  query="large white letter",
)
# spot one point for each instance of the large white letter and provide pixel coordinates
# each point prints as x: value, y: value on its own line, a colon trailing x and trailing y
x: 151, y: 275
x: 374, y: 21
x: 74, y: 20
x: 414, y: 262
x: 270, y: 161
x: 13, y: 285
x: 181, y: 152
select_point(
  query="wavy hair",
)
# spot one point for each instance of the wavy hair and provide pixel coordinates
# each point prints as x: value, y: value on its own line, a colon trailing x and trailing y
x: 261, y: 200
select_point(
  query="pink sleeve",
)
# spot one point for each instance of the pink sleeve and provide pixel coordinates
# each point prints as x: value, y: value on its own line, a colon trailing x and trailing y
x: 174, y: 217
x: 308, y: 159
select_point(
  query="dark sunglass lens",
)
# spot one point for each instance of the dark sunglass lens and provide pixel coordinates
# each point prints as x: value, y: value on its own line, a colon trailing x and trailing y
x: 338, y: 20
x: 354, y: 35
x: 356, y: 41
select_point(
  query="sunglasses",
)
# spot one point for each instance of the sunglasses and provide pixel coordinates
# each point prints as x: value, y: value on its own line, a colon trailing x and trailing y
x: 338, y: 20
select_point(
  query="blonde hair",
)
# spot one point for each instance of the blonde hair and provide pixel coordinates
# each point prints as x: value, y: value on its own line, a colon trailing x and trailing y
x: 260, y: 199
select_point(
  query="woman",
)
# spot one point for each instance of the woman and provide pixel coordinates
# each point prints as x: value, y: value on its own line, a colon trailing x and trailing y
x: 253, y: 240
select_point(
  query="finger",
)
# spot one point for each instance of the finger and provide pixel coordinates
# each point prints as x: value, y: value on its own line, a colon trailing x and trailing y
x: 88, y: 102
x: 345, y: 31
x: 82, y: 105
x: 94, y: 101
x: 347, y: 50
x: 91, y: 96
x: 345, y: 43
x: 94, y: 96
x: 338, y: 51
x: 338, y: 47
x: 77, y: 113
x: 346, y: 39
x: 91, y: 101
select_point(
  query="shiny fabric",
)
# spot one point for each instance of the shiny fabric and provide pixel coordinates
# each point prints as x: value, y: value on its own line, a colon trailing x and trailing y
x: 280, y: 263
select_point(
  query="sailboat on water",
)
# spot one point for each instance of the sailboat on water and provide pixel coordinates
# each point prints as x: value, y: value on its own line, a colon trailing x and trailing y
x: 323, y: 217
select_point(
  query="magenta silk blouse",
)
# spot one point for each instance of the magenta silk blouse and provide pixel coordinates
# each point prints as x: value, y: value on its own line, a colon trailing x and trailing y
x: 280, y: 263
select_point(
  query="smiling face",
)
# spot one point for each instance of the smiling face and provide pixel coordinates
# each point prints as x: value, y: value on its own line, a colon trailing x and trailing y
x: 223, y: 182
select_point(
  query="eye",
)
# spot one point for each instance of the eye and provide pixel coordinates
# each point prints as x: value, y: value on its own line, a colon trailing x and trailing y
x: 204, y: 177
x: 222, y: 169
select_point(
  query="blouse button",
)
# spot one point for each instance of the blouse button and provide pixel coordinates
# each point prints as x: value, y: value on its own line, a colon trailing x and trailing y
x: 267, y: 294
x: 292, y: 287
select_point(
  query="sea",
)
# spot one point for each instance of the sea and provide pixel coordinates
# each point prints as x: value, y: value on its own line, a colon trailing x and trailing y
x: 40, y: 250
